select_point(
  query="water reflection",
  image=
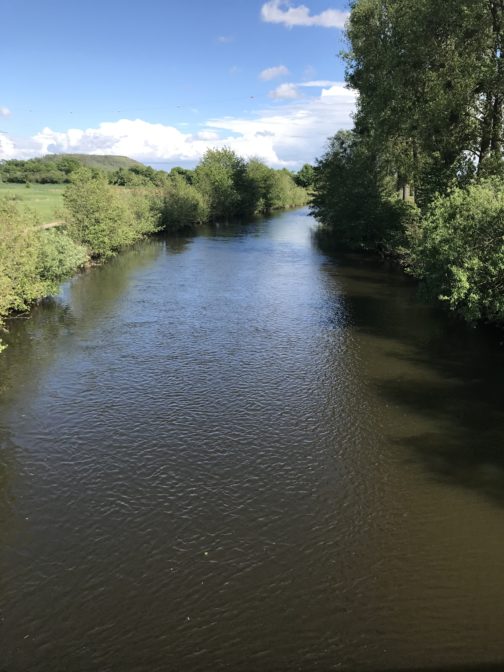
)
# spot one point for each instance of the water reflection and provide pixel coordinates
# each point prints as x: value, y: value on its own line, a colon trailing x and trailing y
x: 446, y: 376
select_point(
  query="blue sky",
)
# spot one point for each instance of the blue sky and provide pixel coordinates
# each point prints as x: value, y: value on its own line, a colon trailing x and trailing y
x: 163, y: 80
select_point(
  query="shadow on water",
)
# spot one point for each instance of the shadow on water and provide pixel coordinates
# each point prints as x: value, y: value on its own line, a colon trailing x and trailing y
x: 442, y: 380
x: 177, y: 244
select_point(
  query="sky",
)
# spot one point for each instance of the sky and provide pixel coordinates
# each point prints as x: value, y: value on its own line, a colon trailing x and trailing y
x: 161, y: 81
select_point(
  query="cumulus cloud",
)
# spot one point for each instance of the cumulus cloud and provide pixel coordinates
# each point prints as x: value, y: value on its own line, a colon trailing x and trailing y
x: 280, y: 11
x: 289, y: 134
x: 5, y: 112
x: 272, y: 73
x: 284, y: 91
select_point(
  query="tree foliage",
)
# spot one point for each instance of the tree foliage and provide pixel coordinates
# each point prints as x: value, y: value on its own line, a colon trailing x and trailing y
x: 458, y: 250
x: 101, y: 218
x: 413, y: 174
x: 32, y: 261
x: 183, y: 205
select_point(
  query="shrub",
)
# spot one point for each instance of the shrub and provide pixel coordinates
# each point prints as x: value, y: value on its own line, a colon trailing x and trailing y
x: 103, y: 218
x: 183, y: 205
x: 458, y: 250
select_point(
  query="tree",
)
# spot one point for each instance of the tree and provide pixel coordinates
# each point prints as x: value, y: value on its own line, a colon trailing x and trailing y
x: 429, y: 76
x: 102, y: 218
x: 183, y: 205
x: 305, y: 177
x: 220, y: 177
x: 457, y: 250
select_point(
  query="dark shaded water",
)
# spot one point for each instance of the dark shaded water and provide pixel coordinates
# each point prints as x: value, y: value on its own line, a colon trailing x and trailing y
x: 232, y: 453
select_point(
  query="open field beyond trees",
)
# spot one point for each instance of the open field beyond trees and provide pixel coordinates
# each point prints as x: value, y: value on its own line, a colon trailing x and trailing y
x: 45, y: 199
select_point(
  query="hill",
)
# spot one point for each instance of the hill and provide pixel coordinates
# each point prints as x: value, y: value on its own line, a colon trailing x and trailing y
x: 107, y: 162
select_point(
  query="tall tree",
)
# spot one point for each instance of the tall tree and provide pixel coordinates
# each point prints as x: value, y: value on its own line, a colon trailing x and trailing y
x: 429, y: 75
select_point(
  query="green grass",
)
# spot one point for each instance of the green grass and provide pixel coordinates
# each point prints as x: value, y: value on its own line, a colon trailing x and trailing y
x: 45, y: 199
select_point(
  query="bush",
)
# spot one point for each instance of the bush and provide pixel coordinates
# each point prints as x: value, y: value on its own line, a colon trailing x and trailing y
x: 183, y: 205
x: 457, y: 250
x: 221, y: 177
x: 32, y: 261
x: 58, y: 258
x: 102, y: 218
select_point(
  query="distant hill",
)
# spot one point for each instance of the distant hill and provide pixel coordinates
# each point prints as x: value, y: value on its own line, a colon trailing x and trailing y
x: 105, y: 162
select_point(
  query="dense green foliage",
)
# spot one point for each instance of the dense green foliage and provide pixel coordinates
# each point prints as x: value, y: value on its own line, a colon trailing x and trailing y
x: 184, y: 206
x: 138, y: 176
x: 221, y: 177
x: 101, y: 218
x: 428, y: 133
x: 43, y: 171
x: 32, y: 261
x: 458, y: 250
x: 224, y: 187
x: 306, y: 176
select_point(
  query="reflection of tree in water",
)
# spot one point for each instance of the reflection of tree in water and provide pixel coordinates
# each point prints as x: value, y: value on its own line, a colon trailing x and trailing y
x: 8, y: 468
x: 177, y: 244
x: 447, y: 376
x: 93, y: 293
x: 32, y: 342
x: 36, y: 339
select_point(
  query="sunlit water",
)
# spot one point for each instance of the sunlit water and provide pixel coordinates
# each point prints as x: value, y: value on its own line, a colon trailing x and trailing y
x: 233, y: 453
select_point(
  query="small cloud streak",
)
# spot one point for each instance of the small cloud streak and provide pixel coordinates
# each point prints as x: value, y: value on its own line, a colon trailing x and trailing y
x: 274, y: 72
x: 318, y: 83
x: 280, y: 11
x: 285, y: 92
x: 225, y: 39
x: 5, y: 112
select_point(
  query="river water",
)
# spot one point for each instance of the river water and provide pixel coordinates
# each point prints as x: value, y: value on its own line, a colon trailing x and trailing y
x: 231, y: 452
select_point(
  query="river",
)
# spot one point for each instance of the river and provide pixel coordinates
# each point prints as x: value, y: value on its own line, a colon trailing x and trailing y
x: 231, y: 452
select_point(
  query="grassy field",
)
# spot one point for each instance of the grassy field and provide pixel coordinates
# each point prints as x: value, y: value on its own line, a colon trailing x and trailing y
x: 45, y: 199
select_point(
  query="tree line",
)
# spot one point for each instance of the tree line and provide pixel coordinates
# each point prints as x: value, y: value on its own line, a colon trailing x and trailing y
x: 106, y: 211
x: 421, y: 174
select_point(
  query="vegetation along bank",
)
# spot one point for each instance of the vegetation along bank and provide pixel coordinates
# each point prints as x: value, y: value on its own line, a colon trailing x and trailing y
x: 111, y: 202
x: 421, y: 175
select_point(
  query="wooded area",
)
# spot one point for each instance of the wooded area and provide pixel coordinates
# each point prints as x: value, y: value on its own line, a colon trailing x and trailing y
x: 421, y: 175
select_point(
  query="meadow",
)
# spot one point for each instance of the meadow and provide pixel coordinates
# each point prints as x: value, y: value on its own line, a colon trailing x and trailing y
x: 45, y: 199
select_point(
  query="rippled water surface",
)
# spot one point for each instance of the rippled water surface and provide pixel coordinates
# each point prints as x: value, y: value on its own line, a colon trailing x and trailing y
x: 234, y: 453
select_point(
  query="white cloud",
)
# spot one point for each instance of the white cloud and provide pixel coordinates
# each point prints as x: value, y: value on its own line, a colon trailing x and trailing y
x: 207, y: 135
x: 225, y: 39
x: 5, y: 112
x: 318, y: 83
x: 280, y: 11
x: 275, y: 71
x: 337, y: 89
x: 288, y: 134
x: 7, y: 148
x: 284, y: 91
